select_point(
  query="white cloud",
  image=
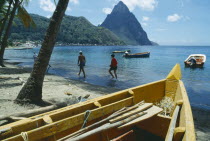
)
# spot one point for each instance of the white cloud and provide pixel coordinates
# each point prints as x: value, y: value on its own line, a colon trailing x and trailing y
x: 47, y: 5
x: 144, y: 18
x: 107, y: 10
x: 74, y: 1
x: 147, y: 5
x: 173, y: 18
x: 144, y: 24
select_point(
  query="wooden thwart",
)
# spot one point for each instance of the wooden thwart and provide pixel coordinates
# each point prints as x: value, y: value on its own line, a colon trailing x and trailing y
x: 154, y: 110
x: 138, y: 110
x: 105, y: 127
x: 102, y: 121
x: 127, y: 119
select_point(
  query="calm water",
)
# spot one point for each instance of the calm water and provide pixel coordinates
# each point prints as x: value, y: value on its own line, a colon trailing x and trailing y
x: 131, y: 72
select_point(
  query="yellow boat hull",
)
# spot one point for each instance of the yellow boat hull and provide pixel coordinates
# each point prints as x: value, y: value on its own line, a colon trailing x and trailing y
x: 59, y: 123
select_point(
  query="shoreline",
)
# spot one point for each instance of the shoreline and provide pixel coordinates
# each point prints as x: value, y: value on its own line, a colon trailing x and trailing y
x: 58, y: 89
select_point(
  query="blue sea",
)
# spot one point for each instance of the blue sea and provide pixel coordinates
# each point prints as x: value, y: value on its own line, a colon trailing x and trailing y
x: 131, y: 72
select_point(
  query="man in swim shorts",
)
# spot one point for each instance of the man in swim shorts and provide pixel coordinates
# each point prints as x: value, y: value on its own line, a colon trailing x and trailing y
x: 81, y: 63
x: 113, y: 66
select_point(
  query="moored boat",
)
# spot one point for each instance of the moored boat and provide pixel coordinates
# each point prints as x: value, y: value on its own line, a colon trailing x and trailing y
x: 137, y: 55
x: 121, y: 51
x: 195, y: 60
x: 176, y: 124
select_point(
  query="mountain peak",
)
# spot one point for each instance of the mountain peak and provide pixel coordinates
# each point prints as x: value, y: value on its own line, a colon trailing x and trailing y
x: 120, y: 8
x: 125, y: 25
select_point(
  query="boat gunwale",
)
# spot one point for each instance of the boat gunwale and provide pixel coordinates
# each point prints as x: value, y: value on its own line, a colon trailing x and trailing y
x: 189, y: 123
x: 39, y: 118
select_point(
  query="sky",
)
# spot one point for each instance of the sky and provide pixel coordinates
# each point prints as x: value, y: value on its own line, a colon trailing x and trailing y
x: 167, y: 22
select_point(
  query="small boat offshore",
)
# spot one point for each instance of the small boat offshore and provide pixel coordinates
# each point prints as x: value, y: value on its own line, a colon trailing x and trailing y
x: 137, y: 55
x: 195, y: 60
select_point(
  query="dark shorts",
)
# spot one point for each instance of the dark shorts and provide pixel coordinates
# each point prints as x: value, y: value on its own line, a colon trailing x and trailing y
x: 82, y: 64
x: 113, y: 68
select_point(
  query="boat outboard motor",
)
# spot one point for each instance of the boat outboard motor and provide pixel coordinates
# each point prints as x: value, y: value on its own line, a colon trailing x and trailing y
x: 126, y: 54
x: 192, y: 61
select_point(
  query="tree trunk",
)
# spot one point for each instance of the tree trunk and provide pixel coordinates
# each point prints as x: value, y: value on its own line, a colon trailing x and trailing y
x: 5, y: 19
x: 6, y: 35
x: 32, y: 90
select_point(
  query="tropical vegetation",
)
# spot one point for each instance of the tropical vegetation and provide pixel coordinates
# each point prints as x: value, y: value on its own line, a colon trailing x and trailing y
x: 73, y: 31
x: 8, y: 11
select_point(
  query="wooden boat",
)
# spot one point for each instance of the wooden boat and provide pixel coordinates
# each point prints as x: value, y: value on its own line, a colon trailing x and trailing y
x: 137, y: 55
x: 121, y: 51
x: 199, y: 60
x: 57, y: 124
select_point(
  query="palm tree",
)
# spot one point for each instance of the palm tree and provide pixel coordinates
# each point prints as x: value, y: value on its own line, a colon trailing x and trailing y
x: 32, y: 90
x: 4, y: 15
x: 22, y: 15
x: 6, y: 35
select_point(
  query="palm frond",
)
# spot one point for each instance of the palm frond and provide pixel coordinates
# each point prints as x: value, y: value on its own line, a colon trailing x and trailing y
x: 2, y: 3
x: 25, y: 17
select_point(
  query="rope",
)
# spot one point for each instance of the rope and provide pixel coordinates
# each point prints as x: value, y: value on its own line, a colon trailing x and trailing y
x: 25, y: 136
x: 87, y: 114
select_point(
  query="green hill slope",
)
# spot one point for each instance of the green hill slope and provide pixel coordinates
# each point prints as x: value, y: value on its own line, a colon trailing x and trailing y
x: 74, y: 30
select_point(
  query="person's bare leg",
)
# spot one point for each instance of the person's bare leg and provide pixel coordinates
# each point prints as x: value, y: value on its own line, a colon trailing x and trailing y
x: 115, y: 73
x: 83, y: 72
x: 79, y: 71
x: 111, y: 73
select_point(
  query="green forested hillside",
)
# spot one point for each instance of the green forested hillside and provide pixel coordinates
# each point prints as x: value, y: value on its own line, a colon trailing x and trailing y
x: 74, y: 30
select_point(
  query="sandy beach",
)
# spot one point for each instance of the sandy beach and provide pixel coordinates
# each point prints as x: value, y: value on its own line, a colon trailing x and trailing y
x: 57, y: 89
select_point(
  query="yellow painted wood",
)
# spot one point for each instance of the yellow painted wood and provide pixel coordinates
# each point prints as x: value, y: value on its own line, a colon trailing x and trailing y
x: 69, y: 119
x: 96, y: 103
x: 47, y: 119
x: 73, y: 121
x: 172, y: 126
x: 130, y: 92
x: 172, y: 81
x: 151, y: 93
x: 179, y: 133
x: 171, y: 88
x: 175, y: 73
x: 179, y: 102
x: 37, y: 121
x: 157, y: 125
x: 186, y: 118
x: 152, y: 111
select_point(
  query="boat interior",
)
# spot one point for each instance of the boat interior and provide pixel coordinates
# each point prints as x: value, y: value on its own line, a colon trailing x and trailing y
x: 199, y: 59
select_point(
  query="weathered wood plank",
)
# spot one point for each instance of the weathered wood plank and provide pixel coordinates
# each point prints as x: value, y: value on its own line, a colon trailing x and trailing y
x: 59, y: 126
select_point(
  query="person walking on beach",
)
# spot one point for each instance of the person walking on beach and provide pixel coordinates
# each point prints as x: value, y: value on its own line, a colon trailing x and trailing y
x: 113, y: 66
x: 81, y: 63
